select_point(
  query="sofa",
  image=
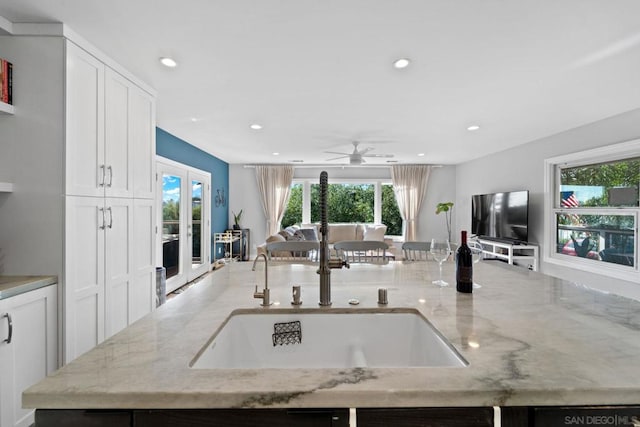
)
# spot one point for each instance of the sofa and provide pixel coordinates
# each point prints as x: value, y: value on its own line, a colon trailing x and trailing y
x: 337, y: 232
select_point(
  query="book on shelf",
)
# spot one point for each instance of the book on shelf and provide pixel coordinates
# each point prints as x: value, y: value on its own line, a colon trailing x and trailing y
x: 6, y: 81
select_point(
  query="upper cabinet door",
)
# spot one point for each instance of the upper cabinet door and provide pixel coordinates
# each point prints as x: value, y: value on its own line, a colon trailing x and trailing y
x: 118, y: 142
x: 142, y: 125
x: 86, y: 171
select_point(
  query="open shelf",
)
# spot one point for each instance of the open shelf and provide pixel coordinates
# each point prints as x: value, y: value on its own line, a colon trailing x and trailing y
x: 6, y: 187
x: 6, y: 108
x: 523, y: 255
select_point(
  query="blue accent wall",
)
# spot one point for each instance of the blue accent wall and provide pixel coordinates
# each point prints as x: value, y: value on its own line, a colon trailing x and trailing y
x: 176, y: 149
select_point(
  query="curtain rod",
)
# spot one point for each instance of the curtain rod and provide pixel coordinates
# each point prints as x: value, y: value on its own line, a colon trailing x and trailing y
x: 252, y: 166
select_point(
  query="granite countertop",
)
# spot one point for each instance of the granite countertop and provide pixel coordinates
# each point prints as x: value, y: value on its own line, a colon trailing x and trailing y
x: 11, y: 286
x: 530, y: 339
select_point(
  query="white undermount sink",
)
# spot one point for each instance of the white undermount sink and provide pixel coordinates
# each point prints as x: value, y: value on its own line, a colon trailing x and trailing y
x: 326, y: 338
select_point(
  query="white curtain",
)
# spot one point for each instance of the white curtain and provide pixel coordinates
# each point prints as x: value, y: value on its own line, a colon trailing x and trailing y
x: 410, y: 186
x: 274, y: 183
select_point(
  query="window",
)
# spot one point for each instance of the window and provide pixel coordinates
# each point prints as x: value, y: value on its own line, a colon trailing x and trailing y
x: 364, y: 202
x: 594, y: 207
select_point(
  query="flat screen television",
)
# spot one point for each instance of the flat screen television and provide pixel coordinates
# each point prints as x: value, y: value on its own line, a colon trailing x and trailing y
x: 501, y: 216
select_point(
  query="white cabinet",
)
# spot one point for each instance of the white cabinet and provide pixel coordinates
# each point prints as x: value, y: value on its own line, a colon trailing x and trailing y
x: 31, y: 353
x: 110, y: 187
x: 110, y: 138
x: 109, y: 266
x: 142, y: 295
x: 84, y: 118
x: 142, y: 131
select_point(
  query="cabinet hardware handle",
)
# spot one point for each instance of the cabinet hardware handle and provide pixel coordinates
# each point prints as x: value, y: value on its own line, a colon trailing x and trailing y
x: 110, y: 176
x: 8, y: 316
x: 104, y: 222
x: 110, y: 217
x: 104, y: 172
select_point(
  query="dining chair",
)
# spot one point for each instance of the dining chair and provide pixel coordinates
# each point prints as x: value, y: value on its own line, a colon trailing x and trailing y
x: 416, y: 251
x: 302, y: 251
x: 362, y: 251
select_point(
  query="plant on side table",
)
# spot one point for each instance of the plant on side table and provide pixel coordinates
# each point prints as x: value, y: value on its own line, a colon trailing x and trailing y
x: 236, y: 220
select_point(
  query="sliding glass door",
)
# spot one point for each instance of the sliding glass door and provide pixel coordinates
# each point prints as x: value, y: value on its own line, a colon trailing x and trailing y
x: 184, y: 206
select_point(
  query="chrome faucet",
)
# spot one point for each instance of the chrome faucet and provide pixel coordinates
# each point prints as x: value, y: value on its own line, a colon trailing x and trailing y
x: 326, y: 264
x: 264, y: 295
x: 323, y: 270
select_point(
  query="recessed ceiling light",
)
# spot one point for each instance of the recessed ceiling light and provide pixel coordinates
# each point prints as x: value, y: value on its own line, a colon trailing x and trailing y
x: 256, y: 126
x: 168, y: 62
x: 401, y: 63
x: 194, y: 119
x: 473, y: 127
x: 275, y: 153
x: 420, y: 154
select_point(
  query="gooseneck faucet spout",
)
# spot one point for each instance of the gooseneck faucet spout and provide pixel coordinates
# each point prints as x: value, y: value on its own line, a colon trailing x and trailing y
x: 324, y: 271
x: 264, y: 295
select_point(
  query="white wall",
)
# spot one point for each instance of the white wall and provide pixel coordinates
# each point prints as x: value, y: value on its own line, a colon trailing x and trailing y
x: 522, y: 168
x: 243, y: 194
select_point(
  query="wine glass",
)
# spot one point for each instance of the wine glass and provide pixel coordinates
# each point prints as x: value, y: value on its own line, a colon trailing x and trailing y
x: 476, y: 255
x: 440, y: 250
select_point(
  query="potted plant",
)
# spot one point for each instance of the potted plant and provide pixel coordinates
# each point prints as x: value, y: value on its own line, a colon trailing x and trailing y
x: 236, y: 219
x: 446, y: 207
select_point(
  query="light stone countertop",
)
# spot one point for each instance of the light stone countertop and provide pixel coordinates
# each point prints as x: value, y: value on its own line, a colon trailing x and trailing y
x: 11, y: 286
x: 535, y: 340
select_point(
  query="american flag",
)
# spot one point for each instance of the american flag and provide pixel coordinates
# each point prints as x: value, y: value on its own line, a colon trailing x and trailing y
x: 568, y: 200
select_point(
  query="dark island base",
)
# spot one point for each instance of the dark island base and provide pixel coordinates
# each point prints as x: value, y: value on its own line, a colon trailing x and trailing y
x: 593, y: 416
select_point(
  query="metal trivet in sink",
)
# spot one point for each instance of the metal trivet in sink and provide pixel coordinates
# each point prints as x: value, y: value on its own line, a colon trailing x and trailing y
x: 287, y: 333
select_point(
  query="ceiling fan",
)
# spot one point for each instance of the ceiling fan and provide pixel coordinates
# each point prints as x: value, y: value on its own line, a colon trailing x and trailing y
x: 357, y: 156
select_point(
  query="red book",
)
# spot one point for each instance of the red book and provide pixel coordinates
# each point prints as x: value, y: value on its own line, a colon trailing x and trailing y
x: 10, y: 83
x: 2, y: 79
x: 5, y: 81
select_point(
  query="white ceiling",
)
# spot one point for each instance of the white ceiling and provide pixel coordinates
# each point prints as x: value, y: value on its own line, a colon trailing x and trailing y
x: 318, y: 73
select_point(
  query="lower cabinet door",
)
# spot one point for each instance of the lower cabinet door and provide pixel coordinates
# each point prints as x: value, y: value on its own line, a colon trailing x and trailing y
x: 194, y: 418
x: 81, y: 417
x: 31, y: 353
x: 243, y: 418
x: 425, y: 417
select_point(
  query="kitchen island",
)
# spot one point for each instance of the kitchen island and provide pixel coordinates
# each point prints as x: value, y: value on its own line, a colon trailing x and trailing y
x: 531, y: 342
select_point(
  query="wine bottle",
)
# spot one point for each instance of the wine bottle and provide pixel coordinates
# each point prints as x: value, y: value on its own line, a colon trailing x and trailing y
x: 464, y: 266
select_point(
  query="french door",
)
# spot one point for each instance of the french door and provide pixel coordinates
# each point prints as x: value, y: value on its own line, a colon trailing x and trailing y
x: 184, y: 203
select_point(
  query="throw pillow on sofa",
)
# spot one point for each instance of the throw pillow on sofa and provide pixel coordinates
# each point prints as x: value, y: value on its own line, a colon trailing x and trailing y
x: 296, y: 237
x: 309, y: 234
x: 374, y: 232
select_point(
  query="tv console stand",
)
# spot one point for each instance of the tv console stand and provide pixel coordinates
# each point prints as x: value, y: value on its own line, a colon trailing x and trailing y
x: 515, y: 254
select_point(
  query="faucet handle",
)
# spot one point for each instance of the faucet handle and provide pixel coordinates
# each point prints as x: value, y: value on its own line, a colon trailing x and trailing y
x: 296, y: 295
x: 257, y: 294
x: 338, y: 263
